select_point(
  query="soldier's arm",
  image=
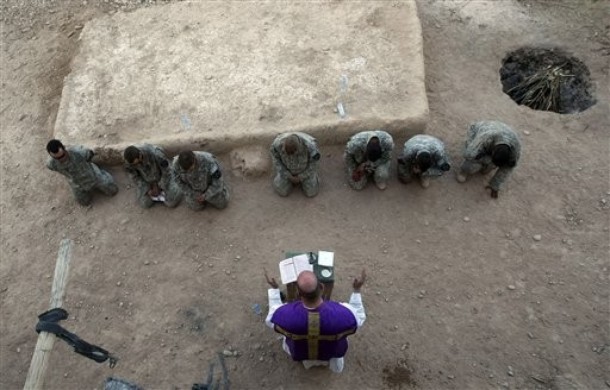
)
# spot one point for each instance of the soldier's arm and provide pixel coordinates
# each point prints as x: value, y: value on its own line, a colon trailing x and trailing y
x: 387, y: 145
x: 516, y: 152
x: 441, y: 163
x: 277, y: 160
x: 88, y: 153
x: 504, y: 173
x: 184, y: 187
x: 135, y: 177
x: 404, y: 164
x: 409, y: 152
x: 348, y: 156
x: 314, y: 160
x: 216, y: 182
x: 164, y: 165
x: 162, y: 159
x: 472, y: 148
x: 50, y: 164
x: 404, y: 160
x: 500, y: 177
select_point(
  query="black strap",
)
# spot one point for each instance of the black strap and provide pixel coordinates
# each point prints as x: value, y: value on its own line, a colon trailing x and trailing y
x: 48, y: 322
x: 212, y: 383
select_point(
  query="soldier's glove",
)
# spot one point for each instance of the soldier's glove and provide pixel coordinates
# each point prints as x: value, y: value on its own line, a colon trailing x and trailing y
x: 164, y: 164
x: 217, y: 174
x: 154, y: 190
x: 445, y: 167
x: 315, y: 157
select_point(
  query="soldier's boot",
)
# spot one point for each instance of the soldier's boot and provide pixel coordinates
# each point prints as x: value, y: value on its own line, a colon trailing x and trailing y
x: 145, y: 201
x: 404, y: 174
x: 381, y: 176
x: 192, y: 203
x: 106, y: 184
x: 311, y: 186
x: 404, y: 177
x: 357, y: 185
x: 173, y: 195
x: 111, y: 189
x: 381, y: 185
x: 143, y: 198
x: 424, y: 181
x: 172, y: 201
x: 281, y: 185
x: 221, y: 200
x: 82, y: 197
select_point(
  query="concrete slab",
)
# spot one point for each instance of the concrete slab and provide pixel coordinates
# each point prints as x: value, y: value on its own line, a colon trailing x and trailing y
x: 220, y: 75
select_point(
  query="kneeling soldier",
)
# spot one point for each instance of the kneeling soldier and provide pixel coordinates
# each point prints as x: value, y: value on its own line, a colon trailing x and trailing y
x: 74, y: 162
x: 199, y: 177
x: 149, y: 169
x: 423, y: 157
x: 490, y: 144
x: 295, y: 157
x: 368, y: 153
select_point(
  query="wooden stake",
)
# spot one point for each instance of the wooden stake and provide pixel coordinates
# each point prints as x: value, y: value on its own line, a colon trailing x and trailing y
x: 44, y: 345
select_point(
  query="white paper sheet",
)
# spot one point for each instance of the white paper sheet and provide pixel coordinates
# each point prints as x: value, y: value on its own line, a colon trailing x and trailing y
x: 326, y: 259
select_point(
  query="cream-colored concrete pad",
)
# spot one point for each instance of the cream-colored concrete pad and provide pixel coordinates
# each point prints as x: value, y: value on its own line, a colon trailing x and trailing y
x: 218, y: 75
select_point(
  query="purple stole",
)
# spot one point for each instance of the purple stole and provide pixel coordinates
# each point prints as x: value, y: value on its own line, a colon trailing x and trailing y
x: 316, y: 334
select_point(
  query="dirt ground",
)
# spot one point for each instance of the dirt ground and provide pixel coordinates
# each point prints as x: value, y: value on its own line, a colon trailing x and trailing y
x: 460, y: 294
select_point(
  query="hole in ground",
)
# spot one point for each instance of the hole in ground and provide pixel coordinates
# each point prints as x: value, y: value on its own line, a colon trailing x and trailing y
x: 547, y: 80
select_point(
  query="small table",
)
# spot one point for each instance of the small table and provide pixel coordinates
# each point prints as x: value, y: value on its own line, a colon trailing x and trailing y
x: 325, y: 275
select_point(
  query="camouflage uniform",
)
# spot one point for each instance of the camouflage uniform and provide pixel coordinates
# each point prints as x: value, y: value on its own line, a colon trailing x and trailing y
x: 413, y: 146
x: 153, y: 169
x: 83, y: 175
x: 482, y: 137
x: 302, y: 164
x: 206, y: 179
x: 355, y: 154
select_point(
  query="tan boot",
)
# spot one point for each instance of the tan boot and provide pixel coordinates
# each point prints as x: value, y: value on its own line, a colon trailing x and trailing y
x: 381, y: 186
x: 425, y: 182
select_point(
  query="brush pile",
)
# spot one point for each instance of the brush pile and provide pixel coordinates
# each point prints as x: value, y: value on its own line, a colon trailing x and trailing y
x: 547, y: 80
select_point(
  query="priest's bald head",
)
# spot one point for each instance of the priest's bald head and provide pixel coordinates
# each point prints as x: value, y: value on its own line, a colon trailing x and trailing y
x: 310, y: 290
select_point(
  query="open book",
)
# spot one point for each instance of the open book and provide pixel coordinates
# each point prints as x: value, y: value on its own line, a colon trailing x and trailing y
x: 292, y: 267
x: 159, y: 198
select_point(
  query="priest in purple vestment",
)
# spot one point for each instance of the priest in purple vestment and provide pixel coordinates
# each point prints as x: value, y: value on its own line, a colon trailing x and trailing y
x: 315, y: 331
